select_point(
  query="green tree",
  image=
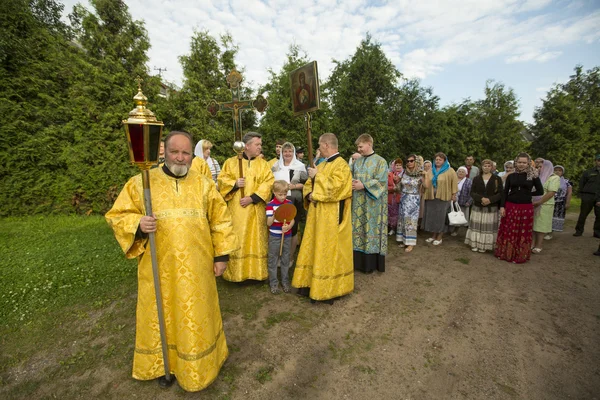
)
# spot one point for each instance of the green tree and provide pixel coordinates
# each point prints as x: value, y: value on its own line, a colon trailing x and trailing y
x: 567, y: 125
x: 363, y: 91
x: 205, y: 69
x: 496, y: 119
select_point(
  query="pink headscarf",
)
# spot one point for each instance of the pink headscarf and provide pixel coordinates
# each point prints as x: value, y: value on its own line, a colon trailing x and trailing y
x: 545, y: 172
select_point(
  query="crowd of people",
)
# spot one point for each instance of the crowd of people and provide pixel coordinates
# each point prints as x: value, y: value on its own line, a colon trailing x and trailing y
x: 211, y: 221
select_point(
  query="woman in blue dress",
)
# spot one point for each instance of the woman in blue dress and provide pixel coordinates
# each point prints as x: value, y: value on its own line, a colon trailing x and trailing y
x: 408, y: 214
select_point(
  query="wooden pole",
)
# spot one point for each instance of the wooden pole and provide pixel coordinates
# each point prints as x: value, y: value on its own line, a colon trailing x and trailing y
x: 307, y: 119
x: 282, y: 237
x: 157, y: 290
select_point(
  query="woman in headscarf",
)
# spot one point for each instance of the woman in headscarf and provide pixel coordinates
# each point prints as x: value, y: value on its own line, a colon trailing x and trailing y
x: 516, y: 209
x: 203, y: 149
x: 486, y: 193
x: 393, y: 195
x: 464, y: 196
x: 509, y: 168
x: 289, y: 169
x: 441, y: 187
x: 562, y: 201
x: 544, y: 205
x: 408, y: 216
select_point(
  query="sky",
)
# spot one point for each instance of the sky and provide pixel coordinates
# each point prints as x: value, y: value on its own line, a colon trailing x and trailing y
x: 452, y: 46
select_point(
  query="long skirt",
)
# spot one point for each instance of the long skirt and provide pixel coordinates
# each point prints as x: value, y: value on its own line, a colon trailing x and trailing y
x: 558, y: 219
x: 435, y: 216
x: 393, y: 206
x: 515, y: 233
x: 483, y: 228
x: 408, y: 219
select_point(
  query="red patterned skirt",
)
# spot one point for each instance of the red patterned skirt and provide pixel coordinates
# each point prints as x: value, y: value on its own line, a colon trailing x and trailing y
x: 516, y: 233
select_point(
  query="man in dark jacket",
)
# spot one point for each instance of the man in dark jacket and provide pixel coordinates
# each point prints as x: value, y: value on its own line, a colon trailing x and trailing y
x: 589, y: 186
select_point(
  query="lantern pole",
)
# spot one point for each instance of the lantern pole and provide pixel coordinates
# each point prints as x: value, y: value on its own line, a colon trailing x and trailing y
x: 143, y: 137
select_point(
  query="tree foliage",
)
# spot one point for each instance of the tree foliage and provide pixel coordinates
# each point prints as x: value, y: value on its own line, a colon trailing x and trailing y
x: 205, y: 69
x: 567, y: 125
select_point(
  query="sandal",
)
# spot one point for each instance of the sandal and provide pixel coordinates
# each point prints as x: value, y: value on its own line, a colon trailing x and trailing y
x: 429, y: 240
x: 536, y: 250
x: 437, y: 242
x: 408, y: 249
x: 474, y: 249
x: 401, y: 244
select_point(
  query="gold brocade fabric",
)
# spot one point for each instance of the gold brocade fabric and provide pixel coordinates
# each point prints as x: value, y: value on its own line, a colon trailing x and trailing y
x: 194, y: 226
x: 201, y: 166
x: 272, y: 162
x: 250, y: 222
x: 325, y: 260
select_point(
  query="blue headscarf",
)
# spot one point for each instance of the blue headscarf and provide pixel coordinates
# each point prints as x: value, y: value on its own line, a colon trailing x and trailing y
x: 437, y: 172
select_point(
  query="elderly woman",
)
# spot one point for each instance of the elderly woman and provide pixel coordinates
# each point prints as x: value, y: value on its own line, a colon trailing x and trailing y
x: 509, y: 168
x: 464, y: 196
x: 441, y: 187
x: 487, y: 194
x: 516, y: 209
x: 289, y: 169
x: 393, y: 194
x: 544, y: 205
x: 562, y: 201
x: 203, y: 149
x: 408, y: 216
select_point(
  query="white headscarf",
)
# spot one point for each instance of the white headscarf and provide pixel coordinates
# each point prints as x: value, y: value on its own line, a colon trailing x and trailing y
x: 295, y: 165
x: 462, y: 181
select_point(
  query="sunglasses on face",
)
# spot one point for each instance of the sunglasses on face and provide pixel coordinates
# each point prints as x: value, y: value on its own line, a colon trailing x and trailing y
x: 410, y: 161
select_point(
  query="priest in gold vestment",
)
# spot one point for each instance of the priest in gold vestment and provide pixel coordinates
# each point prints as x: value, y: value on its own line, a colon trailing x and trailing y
x: 194, y: 236
x: 325, y: 263
x: 248, y: 212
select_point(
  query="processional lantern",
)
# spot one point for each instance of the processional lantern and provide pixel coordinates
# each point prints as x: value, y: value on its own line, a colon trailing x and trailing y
x: 143, y: 133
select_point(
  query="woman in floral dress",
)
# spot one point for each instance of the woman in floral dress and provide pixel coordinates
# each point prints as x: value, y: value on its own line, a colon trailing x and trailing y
x: 408, y: 215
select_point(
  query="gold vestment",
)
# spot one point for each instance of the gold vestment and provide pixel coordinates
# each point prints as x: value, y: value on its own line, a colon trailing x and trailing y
x: 250, y: 222
x: 194, y: 226
x: 325, y: 260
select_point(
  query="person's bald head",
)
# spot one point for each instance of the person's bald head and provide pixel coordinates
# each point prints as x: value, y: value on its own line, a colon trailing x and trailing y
x: 328, y: 144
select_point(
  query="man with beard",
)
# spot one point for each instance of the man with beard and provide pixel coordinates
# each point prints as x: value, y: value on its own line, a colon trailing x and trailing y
x: 194, y: 237
x: 248, y: 211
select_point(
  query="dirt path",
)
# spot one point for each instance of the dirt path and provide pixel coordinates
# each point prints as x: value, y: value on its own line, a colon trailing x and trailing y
x: 440, y: 323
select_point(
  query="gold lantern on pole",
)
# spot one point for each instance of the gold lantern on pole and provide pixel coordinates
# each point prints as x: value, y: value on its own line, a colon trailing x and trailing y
x: 144, y: 134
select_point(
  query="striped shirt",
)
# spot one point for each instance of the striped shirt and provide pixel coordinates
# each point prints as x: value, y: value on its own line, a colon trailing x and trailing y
x: 275, y: 229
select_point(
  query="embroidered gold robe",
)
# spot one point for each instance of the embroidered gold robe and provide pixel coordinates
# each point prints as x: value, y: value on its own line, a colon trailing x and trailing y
x: 325, y: 262
x: 194, y: 226
x: 200, y: 165
x: 250, y: 222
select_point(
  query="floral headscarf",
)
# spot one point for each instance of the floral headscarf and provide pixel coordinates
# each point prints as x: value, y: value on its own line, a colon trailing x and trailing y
x: 529, y: 169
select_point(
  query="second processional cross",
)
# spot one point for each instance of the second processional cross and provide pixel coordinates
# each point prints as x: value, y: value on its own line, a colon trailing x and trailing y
x: 236, y: 106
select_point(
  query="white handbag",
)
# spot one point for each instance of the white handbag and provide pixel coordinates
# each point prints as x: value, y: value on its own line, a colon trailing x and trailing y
x: 456, y: 217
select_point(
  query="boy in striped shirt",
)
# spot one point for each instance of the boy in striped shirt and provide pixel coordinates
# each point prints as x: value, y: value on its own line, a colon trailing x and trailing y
x: 276, y: 228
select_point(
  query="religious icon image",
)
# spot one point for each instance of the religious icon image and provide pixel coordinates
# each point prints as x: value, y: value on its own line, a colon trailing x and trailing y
x: 304, y: 82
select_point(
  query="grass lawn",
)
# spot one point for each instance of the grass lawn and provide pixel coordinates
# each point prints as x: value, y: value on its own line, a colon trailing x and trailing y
x: 54, y: 273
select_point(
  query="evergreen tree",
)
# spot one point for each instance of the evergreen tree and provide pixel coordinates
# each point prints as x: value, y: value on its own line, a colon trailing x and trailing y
x: 567, y: 125
x: 363, y: 91
x: 205, y: 70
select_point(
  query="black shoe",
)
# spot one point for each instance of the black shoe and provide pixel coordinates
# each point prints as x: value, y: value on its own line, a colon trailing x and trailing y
x: 597, y: 253
x: 578, y: 234
x: 596, y: 235
x: 164, y: 383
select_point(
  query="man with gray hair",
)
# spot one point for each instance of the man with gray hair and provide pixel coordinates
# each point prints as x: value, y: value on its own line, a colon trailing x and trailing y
x: 248, y: 211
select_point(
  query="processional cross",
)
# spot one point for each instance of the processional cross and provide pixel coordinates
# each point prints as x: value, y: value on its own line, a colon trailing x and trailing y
x: 236, y: 106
